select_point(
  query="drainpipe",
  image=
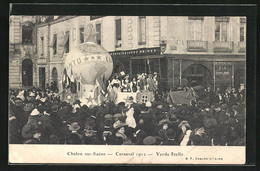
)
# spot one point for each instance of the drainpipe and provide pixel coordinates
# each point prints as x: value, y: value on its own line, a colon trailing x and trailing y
x: 48, y: 60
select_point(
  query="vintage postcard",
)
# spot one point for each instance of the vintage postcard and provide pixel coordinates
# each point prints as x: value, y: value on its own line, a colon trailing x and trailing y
x: 127, y: 89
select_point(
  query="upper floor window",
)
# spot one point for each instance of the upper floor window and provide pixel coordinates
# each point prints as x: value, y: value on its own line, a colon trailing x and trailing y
x: 81, y: 32
x: 195, y: 28
x: 242, y: 29
x: 118, y: 33
x: 26, y: 34
x: 98, y: 30
x: 54, y: 44
x: 67, y: 42
x: 221, y: 28
x: 42, y: 45
x: 142, y: 30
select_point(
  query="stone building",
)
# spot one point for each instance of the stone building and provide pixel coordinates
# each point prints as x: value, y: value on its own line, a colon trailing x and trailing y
x: 182, y: 50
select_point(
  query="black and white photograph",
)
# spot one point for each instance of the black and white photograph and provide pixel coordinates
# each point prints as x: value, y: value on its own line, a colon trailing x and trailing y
x: 107, y: 82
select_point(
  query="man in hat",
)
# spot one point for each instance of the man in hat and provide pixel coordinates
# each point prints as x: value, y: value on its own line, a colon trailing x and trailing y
x: 117, y: 116
x: 36, y: 137
x: 223, y: 115
x: 90, y: 137
x: 170, y: 137
x: 74, y: 128
x: 106, y: 123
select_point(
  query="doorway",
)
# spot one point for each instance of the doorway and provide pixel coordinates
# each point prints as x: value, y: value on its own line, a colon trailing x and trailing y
x: 42, y: 77
x: 197, y: 74
x: 27, y: 73
x: 54, y: 75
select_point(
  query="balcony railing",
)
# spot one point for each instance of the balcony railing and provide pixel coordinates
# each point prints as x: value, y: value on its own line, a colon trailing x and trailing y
x: 219, y: 46
x: 241, y: 46
x: 197, y: 46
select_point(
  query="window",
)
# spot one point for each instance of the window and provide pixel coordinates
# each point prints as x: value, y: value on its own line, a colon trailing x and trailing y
x: 42, y: 46
x: 26, y: 34
x: 118, y: 33
x: 144, y: 98
x: 81, y: 32
x: 142, y: 30
x: 221, y: 28
x: 242, y: 33
x: 242, y: 29
x: 67, y: 42
x: 54, y: 44
x: 98, y: 30
x: 195, y: 29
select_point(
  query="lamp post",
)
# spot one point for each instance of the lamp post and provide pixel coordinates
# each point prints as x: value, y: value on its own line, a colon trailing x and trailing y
x: 163, y: 47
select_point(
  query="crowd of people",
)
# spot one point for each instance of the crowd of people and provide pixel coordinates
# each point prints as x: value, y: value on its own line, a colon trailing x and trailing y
x: 123, y: 83
x: 41, y: 117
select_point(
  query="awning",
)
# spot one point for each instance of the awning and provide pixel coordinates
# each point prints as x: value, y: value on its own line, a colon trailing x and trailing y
x: 181, y: 97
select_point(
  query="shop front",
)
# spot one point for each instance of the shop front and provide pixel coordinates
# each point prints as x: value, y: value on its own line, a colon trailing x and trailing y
x: 215, y: 71
x: 145, y: 60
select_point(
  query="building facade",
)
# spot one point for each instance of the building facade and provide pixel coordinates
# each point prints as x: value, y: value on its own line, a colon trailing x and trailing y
x: 182, y: 50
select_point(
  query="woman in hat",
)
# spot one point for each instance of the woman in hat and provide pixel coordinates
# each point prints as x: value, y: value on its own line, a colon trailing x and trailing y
x: 164, y: 125
x: 183, y: 133
x: 120, y: 136
x: 116, y: 84
x: 33, y: 118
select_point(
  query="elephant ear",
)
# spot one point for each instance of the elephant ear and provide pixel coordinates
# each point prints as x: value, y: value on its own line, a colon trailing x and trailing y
x: 90, y: 34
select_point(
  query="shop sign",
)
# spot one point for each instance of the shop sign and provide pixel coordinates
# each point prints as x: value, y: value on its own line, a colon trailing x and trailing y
x: 137, y: 52
x: 223, y: 72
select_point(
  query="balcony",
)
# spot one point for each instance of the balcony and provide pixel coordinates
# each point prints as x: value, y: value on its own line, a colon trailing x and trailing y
x: 27, y: 49
x: 219, y: 46
x: 197, y: 46
x: 242, y: 47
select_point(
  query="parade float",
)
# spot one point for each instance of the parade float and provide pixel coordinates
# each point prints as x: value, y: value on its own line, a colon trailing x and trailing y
x: 88, y: 66
x: 87, y: 69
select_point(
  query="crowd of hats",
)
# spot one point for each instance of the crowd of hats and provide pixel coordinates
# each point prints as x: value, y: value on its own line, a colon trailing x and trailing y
x: 40, y: 117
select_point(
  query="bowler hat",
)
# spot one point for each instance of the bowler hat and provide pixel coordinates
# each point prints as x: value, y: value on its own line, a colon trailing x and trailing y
x: 108, y: 116
x: 164, y: 121
x: 150, y: 140
x: 35, y: 131
x: 26, y: 131
x: 28, y: 107
x: 74, y: 126
x: 184, y: 123
x: 118, y: 124
x: 108, y: 122
x: 171, y: 133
